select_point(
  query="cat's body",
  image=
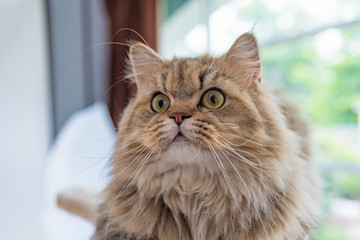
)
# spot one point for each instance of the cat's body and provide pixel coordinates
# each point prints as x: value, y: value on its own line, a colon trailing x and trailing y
x: 192, y: 169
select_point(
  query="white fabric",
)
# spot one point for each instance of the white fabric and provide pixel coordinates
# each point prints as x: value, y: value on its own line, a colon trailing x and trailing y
x: 77, y: 158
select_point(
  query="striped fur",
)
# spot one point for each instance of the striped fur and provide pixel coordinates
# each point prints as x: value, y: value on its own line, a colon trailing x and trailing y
x: 244, y: 172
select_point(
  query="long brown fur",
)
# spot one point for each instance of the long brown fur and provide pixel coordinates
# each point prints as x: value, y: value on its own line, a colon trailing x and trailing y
x: 244, y: 172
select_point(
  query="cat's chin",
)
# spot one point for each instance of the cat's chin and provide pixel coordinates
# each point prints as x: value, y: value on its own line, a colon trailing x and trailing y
x: 181, y: 139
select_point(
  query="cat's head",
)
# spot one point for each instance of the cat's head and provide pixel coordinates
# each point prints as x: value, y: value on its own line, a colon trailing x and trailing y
x: 202, y: 111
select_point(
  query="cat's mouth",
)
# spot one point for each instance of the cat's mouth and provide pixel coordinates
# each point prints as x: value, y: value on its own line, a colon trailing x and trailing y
x: 180, y: 138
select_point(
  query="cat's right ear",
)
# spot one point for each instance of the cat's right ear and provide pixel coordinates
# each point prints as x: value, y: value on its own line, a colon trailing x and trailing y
x: 142, y: 61
x: 244, y: 56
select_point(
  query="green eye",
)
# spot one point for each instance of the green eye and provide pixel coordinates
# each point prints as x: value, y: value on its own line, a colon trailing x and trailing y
x: 213, y: 99
x: 160, y: 103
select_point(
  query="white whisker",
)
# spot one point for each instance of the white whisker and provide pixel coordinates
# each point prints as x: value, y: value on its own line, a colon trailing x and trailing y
x: 248, y: 140
x: 142, y: 147
x: 128, y: 183
x: 136, y: 140
x: 224, y: 144
x: 237, y: 172
x: 223, y: 171
x: 106, y: 43
x: 132, y: 30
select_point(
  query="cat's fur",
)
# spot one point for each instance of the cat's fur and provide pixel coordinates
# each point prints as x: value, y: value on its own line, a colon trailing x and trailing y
x: 244, y: 172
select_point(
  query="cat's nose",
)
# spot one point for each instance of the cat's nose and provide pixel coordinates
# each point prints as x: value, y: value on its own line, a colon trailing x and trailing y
x: 179, y: 117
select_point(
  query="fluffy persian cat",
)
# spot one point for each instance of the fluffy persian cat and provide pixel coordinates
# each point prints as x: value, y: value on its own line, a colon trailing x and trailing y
x: 205, y: 151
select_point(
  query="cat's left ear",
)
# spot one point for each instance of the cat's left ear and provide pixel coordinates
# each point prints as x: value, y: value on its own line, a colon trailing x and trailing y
x: 244, y: 55
x: 142, y: 60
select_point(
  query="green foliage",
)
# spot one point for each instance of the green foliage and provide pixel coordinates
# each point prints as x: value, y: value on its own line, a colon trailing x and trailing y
x: 342, y: 92
x: 325, y: 85
x: 331, y: 149
x: 328, y: 231
x: 325, y: 89
x: 343, y: 184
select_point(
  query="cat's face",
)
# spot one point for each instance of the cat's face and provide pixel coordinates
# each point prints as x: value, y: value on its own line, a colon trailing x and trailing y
x: 188, y: 111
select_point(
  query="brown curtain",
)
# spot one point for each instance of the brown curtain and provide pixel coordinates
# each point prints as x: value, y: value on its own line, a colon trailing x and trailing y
x: 140, y: 16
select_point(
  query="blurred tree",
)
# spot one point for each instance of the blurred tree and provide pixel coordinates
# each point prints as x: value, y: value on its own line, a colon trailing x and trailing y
x: 326, y: 90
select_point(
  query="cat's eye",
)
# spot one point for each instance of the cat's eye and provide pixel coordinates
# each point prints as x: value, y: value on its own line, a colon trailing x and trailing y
x: 213, y: 99
x: 160, y: 103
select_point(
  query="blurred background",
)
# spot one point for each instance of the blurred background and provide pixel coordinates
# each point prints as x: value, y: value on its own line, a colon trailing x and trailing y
x: 62, y: 88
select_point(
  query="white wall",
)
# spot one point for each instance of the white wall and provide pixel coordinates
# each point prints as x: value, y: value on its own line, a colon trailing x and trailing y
x: 25, y: 122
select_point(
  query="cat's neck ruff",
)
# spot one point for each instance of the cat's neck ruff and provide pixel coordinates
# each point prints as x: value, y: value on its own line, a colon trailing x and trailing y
x: 185, y: 154
x: 181, y: 164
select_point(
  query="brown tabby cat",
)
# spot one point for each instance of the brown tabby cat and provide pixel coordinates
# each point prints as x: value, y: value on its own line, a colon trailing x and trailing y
x: 205, y: 151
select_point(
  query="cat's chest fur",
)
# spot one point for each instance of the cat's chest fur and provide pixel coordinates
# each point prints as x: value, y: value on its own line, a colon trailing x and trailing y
x: 197, y: 211
x: 185, y: 205
x: 192, y: 208
x: 193, y: 198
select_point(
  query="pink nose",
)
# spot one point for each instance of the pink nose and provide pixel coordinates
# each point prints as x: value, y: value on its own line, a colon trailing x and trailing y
x: 179, y: 117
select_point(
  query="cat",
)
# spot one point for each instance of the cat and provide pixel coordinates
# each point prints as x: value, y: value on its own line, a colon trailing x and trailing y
x: 206, y: 151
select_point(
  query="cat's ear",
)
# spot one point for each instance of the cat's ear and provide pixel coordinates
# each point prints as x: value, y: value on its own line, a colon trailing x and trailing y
x: 142, y: 61
x: 244, y: 55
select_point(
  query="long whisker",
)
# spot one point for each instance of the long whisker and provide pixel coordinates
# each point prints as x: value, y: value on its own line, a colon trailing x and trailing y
x: 133, y: 161
x: 223, y: 171
x: 237, y: 172
x: 143, y: 163
x: 141, y: 146
x: 132, y: 30
x: 239, y: 156
x: 78, y: 172
x: 250, y: 195
x: 224, y: 144
x: 121, y: 79
x: 242, y: 158
x: 136, y: 140
x: 243, y: 143
x: 136, y: 132
x: 154, y: 167
x: 116, y: 43
x: 249, y: 140
x: 116, y: 106
x: 80, y: 155
x: 233, y: 144
x: 254, y: 156
x: 106, y: 43
x: 128, y: 183
x: 124, y: 127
